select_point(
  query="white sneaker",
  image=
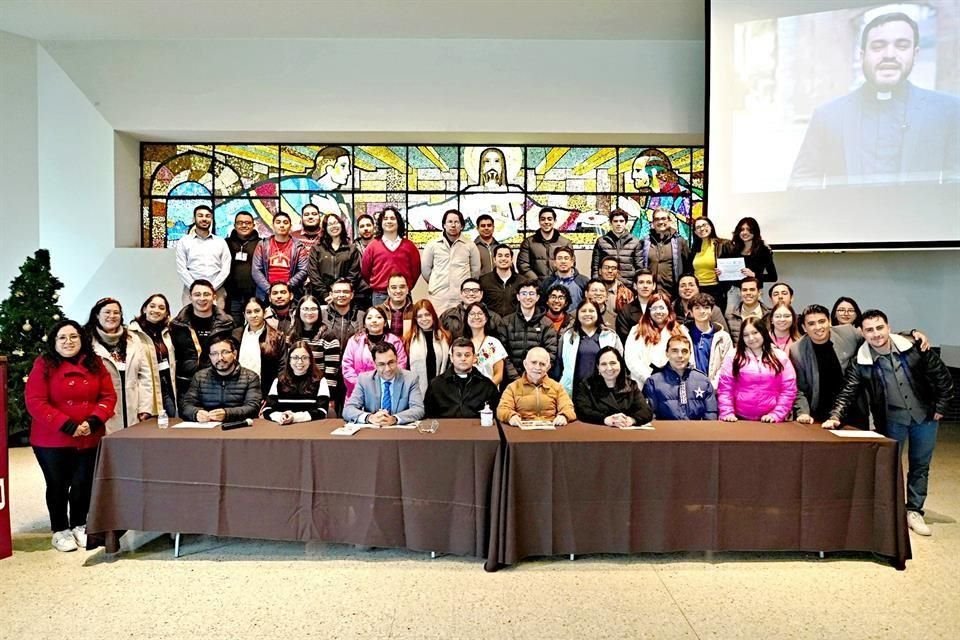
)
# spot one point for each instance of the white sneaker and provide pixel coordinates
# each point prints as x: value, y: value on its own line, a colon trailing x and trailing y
x: 80, y: 535
x: 916, y: 523
x: 63, y: 541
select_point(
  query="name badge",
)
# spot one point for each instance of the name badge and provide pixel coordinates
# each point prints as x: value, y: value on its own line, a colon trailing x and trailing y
x: 164, y: 366
x: 241, y: 256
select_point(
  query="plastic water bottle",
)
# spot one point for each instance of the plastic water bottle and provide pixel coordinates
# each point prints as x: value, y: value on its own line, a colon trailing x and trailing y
x: 163, y: 420
x: 486, y: 415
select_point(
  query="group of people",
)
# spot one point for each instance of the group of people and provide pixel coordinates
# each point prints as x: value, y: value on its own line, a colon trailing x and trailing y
x: 301, y: 326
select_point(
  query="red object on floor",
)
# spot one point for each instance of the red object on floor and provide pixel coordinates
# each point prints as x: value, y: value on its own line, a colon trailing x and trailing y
x: 6, y: 540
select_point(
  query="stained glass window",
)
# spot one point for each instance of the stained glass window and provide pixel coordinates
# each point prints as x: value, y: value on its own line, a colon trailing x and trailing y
x: 583, y: 184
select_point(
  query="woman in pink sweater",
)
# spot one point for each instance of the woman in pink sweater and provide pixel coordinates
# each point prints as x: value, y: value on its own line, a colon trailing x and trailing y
x: 357, y: 358
x: 390, y: 253
x: 757, y: 382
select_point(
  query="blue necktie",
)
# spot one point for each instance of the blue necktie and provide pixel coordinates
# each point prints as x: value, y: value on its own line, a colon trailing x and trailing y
x: 385, y: 402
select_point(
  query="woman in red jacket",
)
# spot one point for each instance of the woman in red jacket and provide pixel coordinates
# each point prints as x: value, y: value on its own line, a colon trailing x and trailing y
x: 70, y: 396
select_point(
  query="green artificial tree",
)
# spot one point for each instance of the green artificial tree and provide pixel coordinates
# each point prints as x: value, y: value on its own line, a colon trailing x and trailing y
x: 25, y: 319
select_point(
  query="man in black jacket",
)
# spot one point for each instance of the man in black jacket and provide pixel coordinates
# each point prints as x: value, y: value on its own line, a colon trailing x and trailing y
x: 224, y: 392
x: 909, y: 391
x: 500, y: 285
x: 192, y: 329
x: 524, y: 329
x: 239, y: 285
x: 461, y: 391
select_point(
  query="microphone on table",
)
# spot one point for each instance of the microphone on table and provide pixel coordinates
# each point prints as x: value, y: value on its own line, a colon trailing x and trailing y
x: 236, y: 424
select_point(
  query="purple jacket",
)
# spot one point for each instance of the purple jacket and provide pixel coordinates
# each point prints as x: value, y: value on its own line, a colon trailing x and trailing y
x: 756, y: 390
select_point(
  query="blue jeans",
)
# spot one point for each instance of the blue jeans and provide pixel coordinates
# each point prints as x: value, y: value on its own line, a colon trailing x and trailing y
x: 379, y: 298
x: 921, y: 437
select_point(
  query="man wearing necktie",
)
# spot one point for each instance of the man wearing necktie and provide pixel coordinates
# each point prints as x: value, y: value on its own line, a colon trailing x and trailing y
x: 387, y: 396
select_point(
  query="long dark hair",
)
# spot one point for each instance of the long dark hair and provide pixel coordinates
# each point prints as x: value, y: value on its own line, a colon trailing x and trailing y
x: 86, y: 356
x: 624, y: 381
x: 767, y: 356
x: 401, y: 225
x: 856, y: 308
x: 93, y: 323
x: 289, y: 382
x: 698, y: 241
x: 142, y: 318
x: 297, y: 329
x: 754, y: 227
x: 467, y: 329
x: 325, y: 237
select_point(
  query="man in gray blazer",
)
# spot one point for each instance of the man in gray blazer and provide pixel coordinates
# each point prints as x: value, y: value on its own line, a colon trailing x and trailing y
x: 387, y: 396
x: 820, y: 359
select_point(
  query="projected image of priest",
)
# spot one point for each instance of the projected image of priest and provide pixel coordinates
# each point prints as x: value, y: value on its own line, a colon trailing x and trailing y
x: 888, y: 130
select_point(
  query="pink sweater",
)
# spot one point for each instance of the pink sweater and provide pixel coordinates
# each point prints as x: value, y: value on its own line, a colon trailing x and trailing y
x: 379, y: 263
x: 756, y: 391
x: 357, y: 358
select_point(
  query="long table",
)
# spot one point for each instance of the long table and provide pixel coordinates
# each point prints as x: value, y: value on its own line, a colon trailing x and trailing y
x: 381, y: 488
x: 696, y: 486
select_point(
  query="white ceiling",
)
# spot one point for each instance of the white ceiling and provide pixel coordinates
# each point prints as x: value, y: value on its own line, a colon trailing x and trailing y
x: 47, y: 20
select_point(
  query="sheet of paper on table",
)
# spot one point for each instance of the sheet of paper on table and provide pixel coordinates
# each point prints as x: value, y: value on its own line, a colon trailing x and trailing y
x: 195, y: 425
x: 350, y: 428
x: 639, y: 427
x: 842, y: 433
x: 536, y: 425
x: 730, y: 269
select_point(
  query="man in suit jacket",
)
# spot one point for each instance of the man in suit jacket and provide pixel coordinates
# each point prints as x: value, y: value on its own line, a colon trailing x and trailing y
x: 387, y: 396
x: 886, y: 128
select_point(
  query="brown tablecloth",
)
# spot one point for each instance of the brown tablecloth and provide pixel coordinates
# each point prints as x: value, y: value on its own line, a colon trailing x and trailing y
x: 696, y: 486
x: 382, y: 488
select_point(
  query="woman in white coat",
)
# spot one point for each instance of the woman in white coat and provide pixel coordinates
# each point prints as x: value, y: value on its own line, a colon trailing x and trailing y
x: 152, y: 327
x: 646, y: 345
x: 427, y: 344
x: 128, y: 363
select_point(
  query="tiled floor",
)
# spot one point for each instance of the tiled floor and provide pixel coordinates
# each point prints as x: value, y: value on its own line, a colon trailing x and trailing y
x: 224, y: 588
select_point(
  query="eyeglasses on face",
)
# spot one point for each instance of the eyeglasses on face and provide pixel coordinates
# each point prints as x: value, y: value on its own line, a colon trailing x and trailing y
x: 300, y: 358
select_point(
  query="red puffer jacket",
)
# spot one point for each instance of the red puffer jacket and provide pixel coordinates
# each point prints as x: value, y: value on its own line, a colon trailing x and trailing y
x: 69, y: 391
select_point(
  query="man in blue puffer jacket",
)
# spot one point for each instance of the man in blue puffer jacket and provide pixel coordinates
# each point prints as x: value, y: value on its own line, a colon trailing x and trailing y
x: 678, y: 391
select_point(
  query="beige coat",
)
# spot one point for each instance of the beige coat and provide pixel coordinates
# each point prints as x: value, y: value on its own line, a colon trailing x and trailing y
x: 446, y: 266
x: 138, y: 387
x: 151, y: 352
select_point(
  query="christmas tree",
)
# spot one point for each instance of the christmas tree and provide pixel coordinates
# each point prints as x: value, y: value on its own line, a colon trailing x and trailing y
x: 25, y: 319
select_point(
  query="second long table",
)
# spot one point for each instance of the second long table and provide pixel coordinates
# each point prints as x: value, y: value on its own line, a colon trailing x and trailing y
x: 696, y: 486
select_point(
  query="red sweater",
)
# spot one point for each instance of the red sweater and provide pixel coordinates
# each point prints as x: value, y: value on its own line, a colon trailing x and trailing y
x: 379, y: 263
x: 67, y: 392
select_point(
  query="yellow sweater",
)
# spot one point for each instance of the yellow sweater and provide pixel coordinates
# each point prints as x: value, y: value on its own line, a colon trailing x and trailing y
x: 535, y: 402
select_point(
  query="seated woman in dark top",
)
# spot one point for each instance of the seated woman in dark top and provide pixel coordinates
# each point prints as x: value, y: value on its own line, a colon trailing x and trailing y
x: 300, y: 392
x: 610, y: 396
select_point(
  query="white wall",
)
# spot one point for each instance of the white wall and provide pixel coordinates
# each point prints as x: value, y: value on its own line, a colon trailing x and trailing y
x: 917, y: 289
x: 75, y: 147
x: 570, y: 86
x: 20, y: 235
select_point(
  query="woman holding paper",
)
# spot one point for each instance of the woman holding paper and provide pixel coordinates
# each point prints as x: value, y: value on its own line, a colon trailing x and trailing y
x: 609, y: 396
x: 707, y: 247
